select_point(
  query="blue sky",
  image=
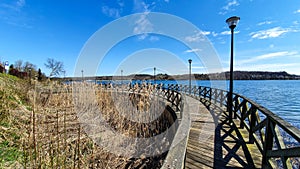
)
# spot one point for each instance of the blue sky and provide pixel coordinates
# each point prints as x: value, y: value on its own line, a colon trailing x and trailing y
x: 266, y: 38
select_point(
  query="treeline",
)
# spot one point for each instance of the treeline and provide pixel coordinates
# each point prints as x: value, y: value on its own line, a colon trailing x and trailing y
x: 28, y: 70
x: 237, y: 75
x: 262, y: 75
x: 242, y: 75
x: 24, y: 70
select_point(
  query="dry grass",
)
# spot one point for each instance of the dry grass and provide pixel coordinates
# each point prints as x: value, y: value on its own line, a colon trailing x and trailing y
x: 54, y: 126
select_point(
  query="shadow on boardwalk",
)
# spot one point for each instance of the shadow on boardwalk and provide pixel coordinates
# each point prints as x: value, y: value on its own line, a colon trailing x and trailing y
x: 228, y: 144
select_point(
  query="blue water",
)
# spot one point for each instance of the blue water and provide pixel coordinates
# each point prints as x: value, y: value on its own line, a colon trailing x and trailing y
x: 282, y: 97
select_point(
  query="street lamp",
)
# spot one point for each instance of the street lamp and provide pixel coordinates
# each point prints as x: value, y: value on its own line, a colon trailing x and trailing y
x: 232, y: 22
x: 190, y: 77
x: 121, y: 77
x: 82, y: 74
x: 154, y: 78
x: 29, y: 75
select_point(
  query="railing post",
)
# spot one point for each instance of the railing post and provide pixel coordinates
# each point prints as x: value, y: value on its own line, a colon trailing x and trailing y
x: 210, y: 96
x: 236, y: 103
x: 244, y: 109
x: 268, y: 144
x: 186, y: 88
x: 215, y: 95
x: 194, y: 90
x: 221, y: 98
x: 252, y: 124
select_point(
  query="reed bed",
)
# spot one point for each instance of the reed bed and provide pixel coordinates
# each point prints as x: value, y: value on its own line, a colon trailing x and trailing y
x: 71, y: 126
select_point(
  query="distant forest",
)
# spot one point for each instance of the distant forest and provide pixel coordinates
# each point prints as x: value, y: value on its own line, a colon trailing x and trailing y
x: 237, y: 75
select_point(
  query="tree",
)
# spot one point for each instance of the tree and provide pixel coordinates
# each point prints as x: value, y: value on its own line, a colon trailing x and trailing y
x: 11, y: 70
x: 18, y: 65
x: 29, y: 67
x: 56, y: 67
x: 40, y: 75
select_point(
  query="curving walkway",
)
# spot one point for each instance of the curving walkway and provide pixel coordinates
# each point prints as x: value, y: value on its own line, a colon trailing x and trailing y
x: 215, y: 143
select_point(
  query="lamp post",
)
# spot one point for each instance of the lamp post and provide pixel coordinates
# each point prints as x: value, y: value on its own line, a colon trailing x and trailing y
x: 29, y: 75
x: 190, y: 77
x: 121, y: 77
x: 232, y: 22
x: 82, y: 74
x: 154, y: 78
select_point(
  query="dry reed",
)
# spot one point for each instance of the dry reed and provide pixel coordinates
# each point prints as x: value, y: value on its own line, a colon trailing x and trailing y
x: 57, y: 137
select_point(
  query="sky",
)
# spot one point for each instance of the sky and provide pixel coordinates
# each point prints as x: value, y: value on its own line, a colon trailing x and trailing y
x: 265, y: 39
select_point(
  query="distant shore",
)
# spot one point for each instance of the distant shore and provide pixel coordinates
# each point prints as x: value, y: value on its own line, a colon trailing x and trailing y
x: 237, y: 75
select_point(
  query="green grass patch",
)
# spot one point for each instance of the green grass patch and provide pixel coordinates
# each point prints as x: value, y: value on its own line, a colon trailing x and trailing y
x: 4, y: 123
x: 9, y: 153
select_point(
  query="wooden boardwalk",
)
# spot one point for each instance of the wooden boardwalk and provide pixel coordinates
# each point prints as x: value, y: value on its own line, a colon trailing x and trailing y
x: 215, y: 143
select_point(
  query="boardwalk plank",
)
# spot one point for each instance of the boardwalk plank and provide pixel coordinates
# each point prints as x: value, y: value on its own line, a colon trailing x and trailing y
x: 214, y: 143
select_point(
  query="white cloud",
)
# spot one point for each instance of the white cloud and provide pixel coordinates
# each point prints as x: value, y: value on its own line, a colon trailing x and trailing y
x: 16, y: 6
x: 205, y: 32
x: 296, y: 22
x: 228, y: 7
x: 265, y: 23
x: 20, y: 3
x: 192, y: 50
x: 214, y: 34
x: 231, y: 3
x: 111, y: 12
x: 121, y: 3
x: 267, y: 56
x: 298, y: 11
x: 270, y: 33
x: 198, y: 36
x: 143, y: 25
x: 12, y: 13
x: 229, y: 32
x: 154, y: 38
x: 141, y: 6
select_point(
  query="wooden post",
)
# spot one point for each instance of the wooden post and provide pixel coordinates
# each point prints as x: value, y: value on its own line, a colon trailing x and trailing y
x: 268, y: 144
x: 237, y: 102
x: 210, y: 96
x: 252, y: 123
x: 243, y: 113
x: 221, y: 98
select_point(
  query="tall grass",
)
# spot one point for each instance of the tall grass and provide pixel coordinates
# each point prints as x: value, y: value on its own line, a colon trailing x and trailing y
x: 55, y: 134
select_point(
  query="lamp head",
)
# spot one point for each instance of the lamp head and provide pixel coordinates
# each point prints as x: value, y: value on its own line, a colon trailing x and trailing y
x: 190, y: 61
x: 232, y: 21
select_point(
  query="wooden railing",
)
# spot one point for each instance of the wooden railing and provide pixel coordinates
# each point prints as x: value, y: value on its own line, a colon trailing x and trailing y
x: 277, y: 140
x: 172, y: 96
